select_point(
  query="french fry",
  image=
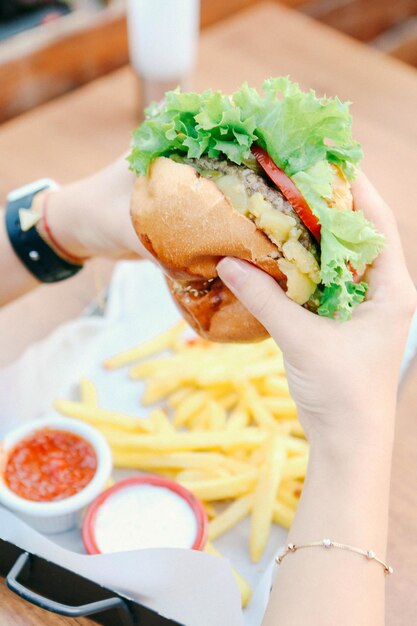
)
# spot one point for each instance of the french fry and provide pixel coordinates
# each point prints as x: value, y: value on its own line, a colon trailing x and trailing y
x: 216, y: 415
x: 161, y: 422
x: 214, y: 373
x: 171, y: 474
x: 88, y: 392
x: 226, y: 440
x: 286, y: 495
x: 296, y: 486
x: 295, y: 445
x: 219, y: 389
x: 281, y: 407
x: 295, y: 467
x: 244, y: 588
x: 190, y: 405
x: 239, y: 418
x: 176, y: 460
x: 290, y: 426
x: 297, y: 429
x: 235, y: 357
x: 222, y: 488
x: 153, y: 346
x: 178, y: 395
x: 199, y: 421
x: 165, y: 367
x: 270, y: 476
x: 189, y: 476
x: 231, y: 516
x: 183, y: 367
x: 156, y: 389
x: 270, y: 345
x: 234, y: 466
x: 275, y: 386
x: 283, y: 515
x: 260, y: 413
x: 257, y: 456
x: 102, y: 417
x: 284, y: 426
x: 210, y: 510
x: 154, y: 367
x: 263, y: 368
x: 240, y: 454
x: 228, y: 401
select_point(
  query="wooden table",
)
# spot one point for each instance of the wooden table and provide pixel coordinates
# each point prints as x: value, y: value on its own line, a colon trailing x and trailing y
x: 81, y: 132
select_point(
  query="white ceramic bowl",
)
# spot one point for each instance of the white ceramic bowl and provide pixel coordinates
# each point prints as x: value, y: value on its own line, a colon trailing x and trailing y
x: 60, y: 515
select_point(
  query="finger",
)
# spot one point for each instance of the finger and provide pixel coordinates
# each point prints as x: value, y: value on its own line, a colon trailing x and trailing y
x: 265, y: 299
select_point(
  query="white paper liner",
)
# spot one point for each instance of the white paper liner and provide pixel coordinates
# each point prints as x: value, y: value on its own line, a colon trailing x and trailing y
x: 193, y: 588
x: 188, y: 586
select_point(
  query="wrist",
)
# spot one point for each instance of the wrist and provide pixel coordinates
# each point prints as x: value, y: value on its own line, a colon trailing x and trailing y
x: 91, y: 217
x: 60, y: 225
x: 360, y: 441
x: 366, y: 424
x: 343, y: 490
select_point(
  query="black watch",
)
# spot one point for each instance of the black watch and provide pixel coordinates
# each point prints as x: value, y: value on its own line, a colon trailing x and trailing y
x: 21, y: 220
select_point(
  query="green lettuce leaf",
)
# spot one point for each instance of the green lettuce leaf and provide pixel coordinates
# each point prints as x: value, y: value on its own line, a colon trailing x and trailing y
x: 192, y: 124
x: 341, y: 299
x: 346, y: 237
x: 303, y: 134
x: 297, y: 128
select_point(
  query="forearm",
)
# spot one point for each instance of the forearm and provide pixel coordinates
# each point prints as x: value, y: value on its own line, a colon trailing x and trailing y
x: 91, y: 216
x: 88, y: 218
x: 345, y: 498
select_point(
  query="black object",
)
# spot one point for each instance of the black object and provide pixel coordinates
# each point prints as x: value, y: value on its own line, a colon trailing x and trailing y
x: 17, y: 16
x: 10, y: 9
x: 61, y: 591
x: 31, y: 249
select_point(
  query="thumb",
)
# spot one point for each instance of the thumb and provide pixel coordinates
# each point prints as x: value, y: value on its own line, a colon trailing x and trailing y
x: 265, y: 299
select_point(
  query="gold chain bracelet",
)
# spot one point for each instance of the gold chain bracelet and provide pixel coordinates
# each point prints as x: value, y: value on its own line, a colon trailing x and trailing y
x: 328, y: 543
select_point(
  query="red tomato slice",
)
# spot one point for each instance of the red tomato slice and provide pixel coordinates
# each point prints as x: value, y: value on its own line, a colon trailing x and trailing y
x: 289, y: 190
x: 356, y: 277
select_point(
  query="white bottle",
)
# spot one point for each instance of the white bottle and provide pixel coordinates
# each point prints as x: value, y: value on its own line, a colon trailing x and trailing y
x: 163, y: 39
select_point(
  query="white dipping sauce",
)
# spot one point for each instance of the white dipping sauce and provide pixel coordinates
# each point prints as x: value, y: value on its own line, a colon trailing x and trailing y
x: 144, y: 516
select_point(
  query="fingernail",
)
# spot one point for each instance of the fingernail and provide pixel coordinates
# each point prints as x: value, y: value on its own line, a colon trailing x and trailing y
x: 233, y: 272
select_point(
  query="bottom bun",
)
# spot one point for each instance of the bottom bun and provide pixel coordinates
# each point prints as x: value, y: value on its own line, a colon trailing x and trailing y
x: 216, y: 314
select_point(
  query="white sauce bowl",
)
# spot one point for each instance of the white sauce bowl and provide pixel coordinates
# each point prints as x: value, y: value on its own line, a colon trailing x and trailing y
x: 144, y: 512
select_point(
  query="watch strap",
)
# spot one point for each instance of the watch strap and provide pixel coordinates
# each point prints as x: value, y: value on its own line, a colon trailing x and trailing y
x: 37, y: 256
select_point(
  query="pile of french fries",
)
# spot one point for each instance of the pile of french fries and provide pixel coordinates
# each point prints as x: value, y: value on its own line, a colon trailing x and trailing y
x: 225, y: 427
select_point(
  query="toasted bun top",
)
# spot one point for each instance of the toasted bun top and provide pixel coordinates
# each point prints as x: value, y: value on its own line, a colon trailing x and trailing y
x: 187, y: 223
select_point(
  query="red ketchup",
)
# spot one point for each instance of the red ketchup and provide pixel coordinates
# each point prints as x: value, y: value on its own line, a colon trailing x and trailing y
x: 50, y: 465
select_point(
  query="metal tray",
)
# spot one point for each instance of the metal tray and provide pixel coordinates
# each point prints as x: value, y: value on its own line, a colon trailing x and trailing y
x: 61, y: 591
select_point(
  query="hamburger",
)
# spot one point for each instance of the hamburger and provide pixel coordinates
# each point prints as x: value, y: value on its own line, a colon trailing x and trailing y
x: 261, y: 177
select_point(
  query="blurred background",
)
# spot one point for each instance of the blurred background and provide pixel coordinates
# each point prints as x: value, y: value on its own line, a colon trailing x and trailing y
x: 50, y: 47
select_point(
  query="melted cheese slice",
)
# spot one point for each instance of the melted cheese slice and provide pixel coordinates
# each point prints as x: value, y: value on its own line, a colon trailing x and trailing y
x: 299, y: 265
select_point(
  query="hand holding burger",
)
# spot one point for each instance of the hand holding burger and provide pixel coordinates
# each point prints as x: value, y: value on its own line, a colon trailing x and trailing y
x: 264, y: 178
